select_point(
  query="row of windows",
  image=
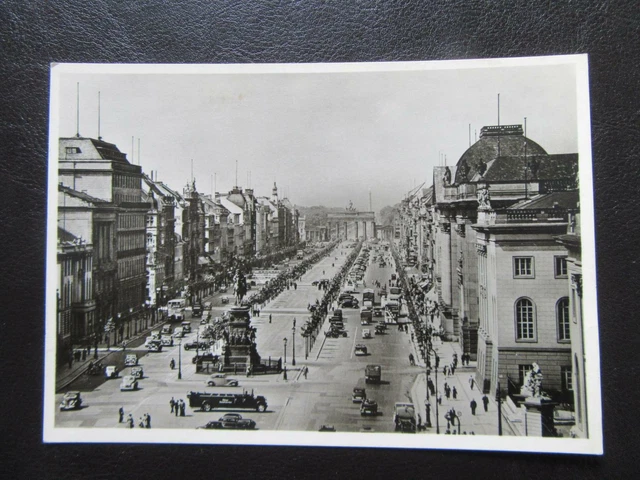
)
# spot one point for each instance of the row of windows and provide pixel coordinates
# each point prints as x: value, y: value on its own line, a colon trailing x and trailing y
x: 131, y: 220
x: 525, y: 317
x: 131, y: 241
x: 129, y: 267
x: 126, y: 181
x: 524, y: 267
x: 122, y: 198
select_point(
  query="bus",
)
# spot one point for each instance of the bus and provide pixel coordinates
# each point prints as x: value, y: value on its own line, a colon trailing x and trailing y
x: 368, y: 297
x: 175, y: 309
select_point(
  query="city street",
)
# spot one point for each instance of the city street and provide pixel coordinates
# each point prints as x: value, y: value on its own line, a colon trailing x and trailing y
x: 298, y: 403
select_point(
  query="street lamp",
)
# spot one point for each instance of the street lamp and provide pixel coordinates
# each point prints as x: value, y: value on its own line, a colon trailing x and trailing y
x: 285, y: 349
x: 429, y: 349
x: 293, y: 342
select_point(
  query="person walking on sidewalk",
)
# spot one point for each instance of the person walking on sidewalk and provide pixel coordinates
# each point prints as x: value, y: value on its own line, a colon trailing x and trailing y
x: 130, y: 421
x: 172, y: 402
x: 305, y: 371
x: 269, y: 318
x: 485, y: 403
x: 121, y: 415
x: 472, y: 382
x: 455, y: 393
x: 473, y: 406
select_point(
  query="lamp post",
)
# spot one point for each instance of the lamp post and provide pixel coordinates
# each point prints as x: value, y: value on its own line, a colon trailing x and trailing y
x: 499, y: 402
x: 285, y: 349
x: 429, y: 349
x: 293, y: 342
x: 180, y: 359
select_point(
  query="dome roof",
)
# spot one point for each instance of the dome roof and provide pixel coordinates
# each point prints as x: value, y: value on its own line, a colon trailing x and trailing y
x: 495, y: 141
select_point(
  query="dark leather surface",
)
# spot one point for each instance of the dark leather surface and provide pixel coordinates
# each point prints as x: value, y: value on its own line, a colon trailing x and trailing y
x: 35, y: 33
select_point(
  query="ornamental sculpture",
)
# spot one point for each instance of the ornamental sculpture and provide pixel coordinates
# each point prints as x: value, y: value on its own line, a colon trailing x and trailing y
x: 532, y: 385
x: 484, y: 202
x: 446, y: 177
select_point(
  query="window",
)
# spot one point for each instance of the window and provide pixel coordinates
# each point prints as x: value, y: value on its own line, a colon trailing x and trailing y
x: 560, y: 267
x: 567, y: 378
x: 525, y: 322
x: 523, y: 267
x: 562, y: 317
x: 73, y: 150
x: 522, y: 372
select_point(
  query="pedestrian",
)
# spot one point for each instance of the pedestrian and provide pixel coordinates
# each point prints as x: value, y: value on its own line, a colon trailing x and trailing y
x: 439, y: 398
x: 130, y: 421
x: 269, y: 318
x: 183, y: 406
x: 455, y: 393
x: 485, y: 403
x: 177, y: 407
x: 305, y: 371
x: 472, y: 382
x: 121, y: 415
x: 447, y: 392
x: 249, y: 370
x: 147, y: 421
x: 431, y: 386
x: 141, y: 423
x: 411, y: 359
x: 453, y: 369
x: 473, y: 406
x: 172, y: 364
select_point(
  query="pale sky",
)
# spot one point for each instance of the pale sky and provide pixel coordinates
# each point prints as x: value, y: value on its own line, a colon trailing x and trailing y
x: 325, y: 138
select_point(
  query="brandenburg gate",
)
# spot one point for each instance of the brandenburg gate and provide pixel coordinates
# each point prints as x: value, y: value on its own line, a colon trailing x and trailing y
x: 351, y: 224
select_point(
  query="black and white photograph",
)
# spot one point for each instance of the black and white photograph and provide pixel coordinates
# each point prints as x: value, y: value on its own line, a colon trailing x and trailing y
x: 394, y: 254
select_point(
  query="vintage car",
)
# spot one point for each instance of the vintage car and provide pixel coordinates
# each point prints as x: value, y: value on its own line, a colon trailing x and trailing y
x: 350, y: 303
x: 212, y: 425
x: 359, y: 395
x: 369, y: 407
x: 366, y: 333
x: 335, y: 333
x: 71, y: 401
x: 137, y: 372
x: 223, y: 290
x: 221, y: 380
x: 361, y: 349
x: 381, y: 328
x: 204, y: 357
x: 130, y: 360
x: 378, y: 312
x: 129, y: 382
x: 154, y: 345
x: 225, y: 299
x: 196, y: 310
x: 327, y: 428
x: 235, y: 420
x: 111, y: 371
x: 196, y: 345
x: 207, y: 306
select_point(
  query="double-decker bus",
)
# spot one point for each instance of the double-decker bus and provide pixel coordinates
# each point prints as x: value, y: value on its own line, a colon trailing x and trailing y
x: 175, y: 308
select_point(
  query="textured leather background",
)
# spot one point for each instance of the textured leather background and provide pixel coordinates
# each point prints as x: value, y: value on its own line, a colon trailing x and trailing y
x: 35, y: 33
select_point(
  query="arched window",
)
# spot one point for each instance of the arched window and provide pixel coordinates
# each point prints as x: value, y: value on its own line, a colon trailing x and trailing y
x: 562, y: 317
x: 525, y: 320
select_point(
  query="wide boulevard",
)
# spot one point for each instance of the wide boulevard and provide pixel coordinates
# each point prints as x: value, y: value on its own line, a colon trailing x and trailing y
x: 294, y: 403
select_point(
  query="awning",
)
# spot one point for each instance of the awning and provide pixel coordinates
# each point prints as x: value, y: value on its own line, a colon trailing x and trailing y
x: 403, y: 320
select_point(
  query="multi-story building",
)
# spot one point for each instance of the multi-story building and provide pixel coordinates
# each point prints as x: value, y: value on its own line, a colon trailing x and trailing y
x: 75, y: 302
x: 523, y: 302
x: 101, y: 170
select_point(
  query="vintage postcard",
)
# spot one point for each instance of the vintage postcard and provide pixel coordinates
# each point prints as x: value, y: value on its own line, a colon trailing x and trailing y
x: 372, y: 255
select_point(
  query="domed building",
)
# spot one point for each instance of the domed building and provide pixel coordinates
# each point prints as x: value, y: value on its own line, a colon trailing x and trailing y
x: 507, y: 183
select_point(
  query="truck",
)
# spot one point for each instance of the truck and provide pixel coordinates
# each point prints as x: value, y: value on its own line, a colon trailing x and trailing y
x: 404, y: 417
x: 368, y: 297
x: 300, y: 254
x: 372, y: 374
x: 206, y: 401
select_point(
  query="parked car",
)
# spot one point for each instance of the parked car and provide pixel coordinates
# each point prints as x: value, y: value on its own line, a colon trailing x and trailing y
x: 111, y: 371
x: 350, y: 303
x: 71, y: 401
x: 137, y: 372
x: 366, y: 333
x: 130, y: 360
x: 221, y: 380
x: 207, y: 306
x: 129, y: 382
x: 204, y: 357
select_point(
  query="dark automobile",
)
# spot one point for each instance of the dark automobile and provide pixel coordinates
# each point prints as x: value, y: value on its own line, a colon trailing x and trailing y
x: 381, y: 328
x: 350, y: 303
x: 235, y: 420
x: 205, y: 357
x: 337, y: 313
x: 369, y: 407
x: 196, y: 310
x: 212, y: 425
x: 334, y: 333
x: 327, y: 428
x: 196, y: 345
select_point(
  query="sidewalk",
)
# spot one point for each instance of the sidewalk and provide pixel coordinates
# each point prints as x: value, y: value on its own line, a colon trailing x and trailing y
x: 66, y: 374
x: 482, y: 423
